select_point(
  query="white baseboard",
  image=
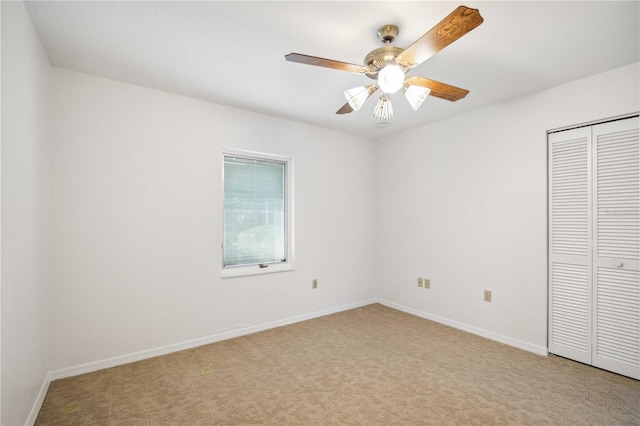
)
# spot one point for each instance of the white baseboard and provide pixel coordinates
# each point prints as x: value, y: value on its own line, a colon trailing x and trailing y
x: 188, y: 344
x: 540, y: 350
x: 33, y: 415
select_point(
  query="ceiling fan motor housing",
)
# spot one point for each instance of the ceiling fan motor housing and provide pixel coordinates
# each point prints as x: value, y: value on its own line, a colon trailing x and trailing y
x: 379, y: 58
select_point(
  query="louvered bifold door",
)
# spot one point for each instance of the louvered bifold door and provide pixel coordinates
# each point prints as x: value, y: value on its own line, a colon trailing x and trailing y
x: 569, y: 244
x: 616, y: 230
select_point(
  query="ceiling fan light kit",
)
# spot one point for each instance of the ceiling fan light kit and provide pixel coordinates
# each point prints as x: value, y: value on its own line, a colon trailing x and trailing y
x: 416, y: 95
x: 390, y: 79
x: 356, y: 96
x: 388, y: 65
x: 383, y: 110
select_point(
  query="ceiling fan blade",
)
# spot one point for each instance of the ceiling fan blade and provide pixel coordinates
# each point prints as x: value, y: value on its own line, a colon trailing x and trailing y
x: 346, y: 108
x: 439, y: 90
x: 327, y: 63
x: 458, y: 23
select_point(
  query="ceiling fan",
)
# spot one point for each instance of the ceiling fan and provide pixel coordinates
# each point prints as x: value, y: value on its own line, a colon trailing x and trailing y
x: 389, y: 64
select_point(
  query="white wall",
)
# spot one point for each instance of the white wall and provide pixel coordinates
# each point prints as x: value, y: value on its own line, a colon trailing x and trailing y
x: 25, y: 203
x: 463, y: 202
x: 136, y: 190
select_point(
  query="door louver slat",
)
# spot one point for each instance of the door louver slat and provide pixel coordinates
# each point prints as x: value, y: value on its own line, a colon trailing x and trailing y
x: 570, y: 306
x: 618, y: 195
x: 617, y: 324
x: 569, y: 216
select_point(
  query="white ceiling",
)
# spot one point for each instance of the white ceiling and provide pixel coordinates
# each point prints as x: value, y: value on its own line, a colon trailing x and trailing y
x: 233, y: 52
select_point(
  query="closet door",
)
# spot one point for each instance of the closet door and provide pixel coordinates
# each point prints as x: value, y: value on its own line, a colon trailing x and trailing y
x: 570, y: 260
x: 616, y: 229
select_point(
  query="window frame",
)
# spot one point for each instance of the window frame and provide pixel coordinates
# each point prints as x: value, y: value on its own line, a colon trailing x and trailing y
x: 255, y: 269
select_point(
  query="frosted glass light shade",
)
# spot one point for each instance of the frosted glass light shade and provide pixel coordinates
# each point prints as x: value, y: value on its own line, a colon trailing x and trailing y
x: 356, y: 96
x: 416, y: 95
x: 390, y: 78
x: 384, y: 110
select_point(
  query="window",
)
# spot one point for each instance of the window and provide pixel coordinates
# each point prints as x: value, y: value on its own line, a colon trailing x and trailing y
x: 257, y: 214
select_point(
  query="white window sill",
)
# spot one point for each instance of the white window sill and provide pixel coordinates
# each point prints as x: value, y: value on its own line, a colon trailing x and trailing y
x: 244, y: 271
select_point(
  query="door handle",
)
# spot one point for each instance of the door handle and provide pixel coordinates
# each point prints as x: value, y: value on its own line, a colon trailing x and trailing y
x: 618, y: 263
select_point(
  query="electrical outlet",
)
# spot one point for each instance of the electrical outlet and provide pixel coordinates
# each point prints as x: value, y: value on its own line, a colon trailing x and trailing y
x: 487, y: 295
x: 420, y: 282
x: 427, y: 283
x: 314, y: 283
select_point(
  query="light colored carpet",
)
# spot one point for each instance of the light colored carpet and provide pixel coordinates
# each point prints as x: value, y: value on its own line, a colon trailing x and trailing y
x: 371, y: 365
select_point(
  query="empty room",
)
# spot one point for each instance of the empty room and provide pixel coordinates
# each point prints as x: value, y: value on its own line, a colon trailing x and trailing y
x: 310, y: 213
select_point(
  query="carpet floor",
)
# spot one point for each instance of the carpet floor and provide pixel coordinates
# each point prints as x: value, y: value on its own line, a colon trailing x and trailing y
x: 367, y: 366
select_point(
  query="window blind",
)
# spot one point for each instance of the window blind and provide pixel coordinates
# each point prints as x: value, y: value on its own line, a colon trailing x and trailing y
x: 254, y: 211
